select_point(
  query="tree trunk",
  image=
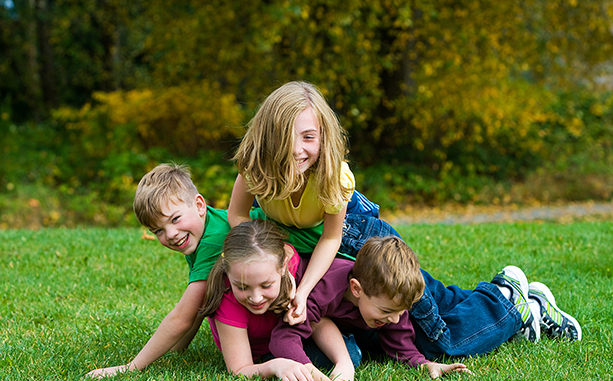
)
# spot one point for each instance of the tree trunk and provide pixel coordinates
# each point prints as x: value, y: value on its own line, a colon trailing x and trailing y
x: 47, y: 72
x: 32, y: 78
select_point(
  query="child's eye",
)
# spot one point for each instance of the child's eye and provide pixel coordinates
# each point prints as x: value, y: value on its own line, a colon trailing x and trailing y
x: 157, y: 232
x: 175, y: 219
x: 266, y: 286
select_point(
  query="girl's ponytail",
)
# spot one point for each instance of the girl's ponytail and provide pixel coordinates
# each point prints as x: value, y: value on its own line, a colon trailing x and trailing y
x: 215, y: 288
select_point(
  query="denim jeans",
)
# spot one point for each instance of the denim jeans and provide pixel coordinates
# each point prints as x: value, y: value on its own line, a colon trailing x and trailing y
x: 447, y: 320
x: 450, y: 321
x: 359, y: 204
x: 357, y: 229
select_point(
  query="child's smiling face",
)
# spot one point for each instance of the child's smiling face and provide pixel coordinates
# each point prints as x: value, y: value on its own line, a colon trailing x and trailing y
x: 182, y: 226
x: 256, y: 284
x: 376, y: 310
x: 380, y: 310
x: 306, y: 145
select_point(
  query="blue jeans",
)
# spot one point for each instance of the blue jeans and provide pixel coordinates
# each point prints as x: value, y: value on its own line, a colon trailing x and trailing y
x: 357, y: 229
x: 447, y: 320
x: 450, y: 321
x: 359, y: 204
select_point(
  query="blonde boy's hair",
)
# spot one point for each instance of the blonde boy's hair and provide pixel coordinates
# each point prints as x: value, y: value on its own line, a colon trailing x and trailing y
x: 249, y: 241
x: 159, y: 186
x: 388, y: 266
x: 265, y: 156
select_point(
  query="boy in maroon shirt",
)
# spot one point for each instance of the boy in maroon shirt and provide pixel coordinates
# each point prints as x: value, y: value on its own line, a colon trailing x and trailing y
x: 372, y: 293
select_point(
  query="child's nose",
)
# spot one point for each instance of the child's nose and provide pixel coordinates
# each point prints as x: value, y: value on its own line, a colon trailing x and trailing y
x: 256, y: 297
x: 395, y: 318
x: 171, y: 232
x: 297, y: 148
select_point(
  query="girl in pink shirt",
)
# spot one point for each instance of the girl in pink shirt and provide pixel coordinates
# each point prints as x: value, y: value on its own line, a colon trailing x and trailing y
x: 251, y: 283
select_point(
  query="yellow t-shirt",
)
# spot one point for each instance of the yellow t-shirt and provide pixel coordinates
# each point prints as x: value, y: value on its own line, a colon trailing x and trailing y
x: 309, y: 212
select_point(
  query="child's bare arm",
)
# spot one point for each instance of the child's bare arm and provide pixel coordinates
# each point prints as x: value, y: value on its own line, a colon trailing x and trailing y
x: 322, y: 257
x: 330, y: 340
x: 171, y: 331
x: 240, y: 203
x: 237, y: 356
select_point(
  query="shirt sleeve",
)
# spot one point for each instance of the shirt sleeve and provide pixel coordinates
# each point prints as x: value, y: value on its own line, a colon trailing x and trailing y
x: 230, y: 312
x: 398, y: 341
x: 347, y: 181
x: 286, y: 341
x: 324, y: 299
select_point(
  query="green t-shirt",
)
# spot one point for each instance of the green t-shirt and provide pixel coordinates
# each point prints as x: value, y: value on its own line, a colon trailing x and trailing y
x: 216, y: 228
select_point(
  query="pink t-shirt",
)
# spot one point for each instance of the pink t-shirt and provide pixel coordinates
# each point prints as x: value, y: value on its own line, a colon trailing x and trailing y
x: 258, y: 327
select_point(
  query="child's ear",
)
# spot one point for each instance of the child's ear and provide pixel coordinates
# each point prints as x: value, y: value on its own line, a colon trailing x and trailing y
x: 200, y: 204
x: 356, y: 287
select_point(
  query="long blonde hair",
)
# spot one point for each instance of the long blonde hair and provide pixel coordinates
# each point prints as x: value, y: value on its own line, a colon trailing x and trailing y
x: 265, y: 155
x: 248, y: 241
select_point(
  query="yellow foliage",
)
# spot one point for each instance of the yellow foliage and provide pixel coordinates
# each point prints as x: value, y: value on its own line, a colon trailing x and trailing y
x: 184, y: 118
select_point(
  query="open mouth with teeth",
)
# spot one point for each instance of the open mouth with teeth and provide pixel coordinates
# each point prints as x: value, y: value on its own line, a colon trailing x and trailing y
x: 182, y: 242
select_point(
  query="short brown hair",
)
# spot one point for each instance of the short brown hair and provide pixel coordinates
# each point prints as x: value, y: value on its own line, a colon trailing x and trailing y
x: 158, y: 187
x: 388, y: 266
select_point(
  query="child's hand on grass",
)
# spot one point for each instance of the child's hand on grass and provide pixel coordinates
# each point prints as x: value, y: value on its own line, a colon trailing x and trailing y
x: 287, y: 369
x: 108, y: 372
x: 343, y: 372
x: 436, y: 370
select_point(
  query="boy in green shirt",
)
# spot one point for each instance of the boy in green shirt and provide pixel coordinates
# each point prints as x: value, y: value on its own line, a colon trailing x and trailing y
x: 169, y: 205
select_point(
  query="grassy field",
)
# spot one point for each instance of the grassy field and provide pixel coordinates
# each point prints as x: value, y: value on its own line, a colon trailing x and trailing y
x: 77, y: 299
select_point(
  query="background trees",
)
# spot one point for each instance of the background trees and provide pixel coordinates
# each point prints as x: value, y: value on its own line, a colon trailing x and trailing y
x: 445, y: 91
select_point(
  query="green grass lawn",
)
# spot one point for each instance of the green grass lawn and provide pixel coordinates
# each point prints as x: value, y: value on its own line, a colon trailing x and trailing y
x: 77, y: 299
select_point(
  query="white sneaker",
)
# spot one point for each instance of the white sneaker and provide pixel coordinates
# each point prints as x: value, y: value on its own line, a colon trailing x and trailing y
x: 513, y: 278
x: 554, y: 322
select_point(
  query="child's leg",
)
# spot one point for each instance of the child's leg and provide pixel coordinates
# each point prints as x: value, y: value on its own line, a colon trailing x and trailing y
x: 359, y: 204
x: 357, y: 229
x: 455, y: 322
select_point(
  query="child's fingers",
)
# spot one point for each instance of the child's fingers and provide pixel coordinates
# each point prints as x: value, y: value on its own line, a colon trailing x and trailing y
x: 458, y: 367
x: 297, y: 319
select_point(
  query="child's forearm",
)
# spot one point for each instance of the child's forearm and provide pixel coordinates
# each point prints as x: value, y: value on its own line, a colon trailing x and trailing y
x: 175, y: 326
x: 322, y: 256
x: 320, y: 262
x: 170, y: 332
x: 330, y: 340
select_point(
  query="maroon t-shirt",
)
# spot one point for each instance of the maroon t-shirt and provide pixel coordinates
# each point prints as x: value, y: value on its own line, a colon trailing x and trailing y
x: 326, y: 300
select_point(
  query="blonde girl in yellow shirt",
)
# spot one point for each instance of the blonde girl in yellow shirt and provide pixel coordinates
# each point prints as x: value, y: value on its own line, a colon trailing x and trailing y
x: 292, y: 161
